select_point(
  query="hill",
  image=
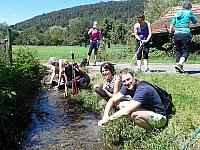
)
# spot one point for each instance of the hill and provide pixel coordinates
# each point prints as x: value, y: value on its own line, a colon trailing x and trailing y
x: 120, y: 10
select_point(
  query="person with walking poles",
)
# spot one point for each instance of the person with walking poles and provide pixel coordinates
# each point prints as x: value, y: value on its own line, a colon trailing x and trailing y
x: 142, y: 33
x: 95, y: 36
x: 182, y: 34
x: 146, y: 109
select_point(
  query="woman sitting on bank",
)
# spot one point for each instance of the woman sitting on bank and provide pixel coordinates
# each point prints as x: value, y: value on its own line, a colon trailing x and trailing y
x: 112, y: 83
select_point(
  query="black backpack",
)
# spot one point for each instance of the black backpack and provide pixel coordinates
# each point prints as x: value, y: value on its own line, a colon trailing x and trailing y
x: 165, y: 97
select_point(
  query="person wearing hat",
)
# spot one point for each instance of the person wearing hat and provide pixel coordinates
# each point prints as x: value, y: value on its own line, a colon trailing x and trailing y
x: 182, y: 34
x: 142, y: 33
x: 95, y: 36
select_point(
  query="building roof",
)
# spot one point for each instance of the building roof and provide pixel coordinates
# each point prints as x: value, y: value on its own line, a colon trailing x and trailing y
x: 159, y: 26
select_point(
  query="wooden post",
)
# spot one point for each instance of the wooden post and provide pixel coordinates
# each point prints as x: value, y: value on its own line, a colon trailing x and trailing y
x: 8, y: 46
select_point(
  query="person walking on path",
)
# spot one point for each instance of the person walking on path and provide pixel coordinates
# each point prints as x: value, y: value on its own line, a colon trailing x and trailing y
x: 95, y: 36
x: 142, y: 33
x: 145, y: 108
x: 182, y: 34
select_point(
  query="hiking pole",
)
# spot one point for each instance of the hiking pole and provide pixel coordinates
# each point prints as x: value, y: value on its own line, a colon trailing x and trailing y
x: 74, y: 87
x: 139, y: 49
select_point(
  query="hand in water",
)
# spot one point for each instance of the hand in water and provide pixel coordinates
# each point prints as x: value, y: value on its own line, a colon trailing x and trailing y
x: 103, y: 122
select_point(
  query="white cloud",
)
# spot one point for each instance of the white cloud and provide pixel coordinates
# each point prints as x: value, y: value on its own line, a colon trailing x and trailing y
x: 2, y: 19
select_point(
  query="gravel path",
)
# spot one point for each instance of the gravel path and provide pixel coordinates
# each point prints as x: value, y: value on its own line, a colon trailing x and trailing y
x: 190, y: 69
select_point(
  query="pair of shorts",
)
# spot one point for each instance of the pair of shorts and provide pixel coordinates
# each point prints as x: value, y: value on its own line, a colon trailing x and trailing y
x: 157, y: 121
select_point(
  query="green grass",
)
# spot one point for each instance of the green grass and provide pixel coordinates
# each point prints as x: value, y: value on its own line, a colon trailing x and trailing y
x: 186, y: 97
x: 117, y: 53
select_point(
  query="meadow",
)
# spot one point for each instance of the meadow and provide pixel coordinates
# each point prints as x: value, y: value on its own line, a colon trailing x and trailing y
x: 117, y: 53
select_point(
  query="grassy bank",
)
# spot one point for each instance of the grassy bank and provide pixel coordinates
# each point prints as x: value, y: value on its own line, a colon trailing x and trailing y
x: 185, y: 91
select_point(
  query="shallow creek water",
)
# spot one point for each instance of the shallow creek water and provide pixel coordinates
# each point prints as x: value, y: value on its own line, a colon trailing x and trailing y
x: 59, y: 127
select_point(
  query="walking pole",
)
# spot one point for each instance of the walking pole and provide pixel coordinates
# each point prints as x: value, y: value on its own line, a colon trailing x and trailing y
x: 139, y: 49
x: 74, y: 87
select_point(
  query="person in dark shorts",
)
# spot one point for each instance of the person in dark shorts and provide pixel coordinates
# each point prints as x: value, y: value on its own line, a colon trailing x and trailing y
x: 182, y: 34
x: 95, y: 36
x: 145, y: 108
x: 142, y: 33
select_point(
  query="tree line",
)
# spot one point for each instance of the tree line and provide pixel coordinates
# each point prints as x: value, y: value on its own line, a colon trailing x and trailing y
x: 70, y: 26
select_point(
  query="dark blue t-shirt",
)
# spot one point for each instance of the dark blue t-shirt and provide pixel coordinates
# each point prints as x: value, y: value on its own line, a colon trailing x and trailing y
x: 147, y: 96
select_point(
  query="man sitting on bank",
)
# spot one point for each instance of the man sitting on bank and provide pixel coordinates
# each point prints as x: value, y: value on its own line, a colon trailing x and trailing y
x: 145, y: 109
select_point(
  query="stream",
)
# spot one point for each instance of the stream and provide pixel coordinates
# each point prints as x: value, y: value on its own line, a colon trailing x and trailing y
x: 57, y: 126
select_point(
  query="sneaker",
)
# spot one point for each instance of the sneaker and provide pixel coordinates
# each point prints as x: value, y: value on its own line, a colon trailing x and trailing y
x: 147, y: 70
x: 179, y: 68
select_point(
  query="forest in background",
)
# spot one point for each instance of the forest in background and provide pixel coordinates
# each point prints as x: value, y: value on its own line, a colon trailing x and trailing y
x: 70, y: 26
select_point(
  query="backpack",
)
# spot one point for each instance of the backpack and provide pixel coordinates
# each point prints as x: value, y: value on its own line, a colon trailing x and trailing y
x: 166, y: 99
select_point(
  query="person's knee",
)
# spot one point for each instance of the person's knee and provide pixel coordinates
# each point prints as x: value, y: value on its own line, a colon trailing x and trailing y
x: 89, y: 53
x: 138, y: 120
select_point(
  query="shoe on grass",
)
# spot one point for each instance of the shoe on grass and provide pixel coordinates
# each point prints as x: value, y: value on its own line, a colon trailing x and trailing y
x: 147, y: 70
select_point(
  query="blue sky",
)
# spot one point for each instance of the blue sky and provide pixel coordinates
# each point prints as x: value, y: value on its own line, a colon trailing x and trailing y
x: 14, y: 11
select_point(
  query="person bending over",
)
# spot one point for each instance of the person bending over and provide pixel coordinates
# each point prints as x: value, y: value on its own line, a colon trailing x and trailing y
x: 75, y: 72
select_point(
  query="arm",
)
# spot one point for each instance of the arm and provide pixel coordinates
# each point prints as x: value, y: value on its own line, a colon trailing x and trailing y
x: 193, y: 18
x: 135, y: 31
x: 52, y: 75
x: 173, y: 22
x: 90, y: 31
x: 125, y: 111
x: 109, y: 105
x: 60, y: 71
x: 149, y: 36
x: 116, y: 89
x: 65, y: 78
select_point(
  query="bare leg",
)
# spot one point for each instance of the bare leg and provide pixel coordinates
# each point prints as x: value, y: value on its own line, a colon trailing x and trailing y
x: 182, y: 60
x: 139, y: 62
x: 146, y: 64
x: 140, y: 118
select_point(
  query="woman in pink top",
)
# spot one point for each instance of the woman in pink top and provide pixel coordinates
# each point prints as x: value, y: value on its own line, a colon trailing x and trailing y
x: 95, y: 36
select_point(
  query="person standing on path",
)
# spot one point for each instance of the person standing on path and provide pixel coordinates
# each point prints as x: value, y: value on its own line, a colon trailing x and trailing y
x: 182, y: 34
x: 142, y: 33
x: 95, y: 36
